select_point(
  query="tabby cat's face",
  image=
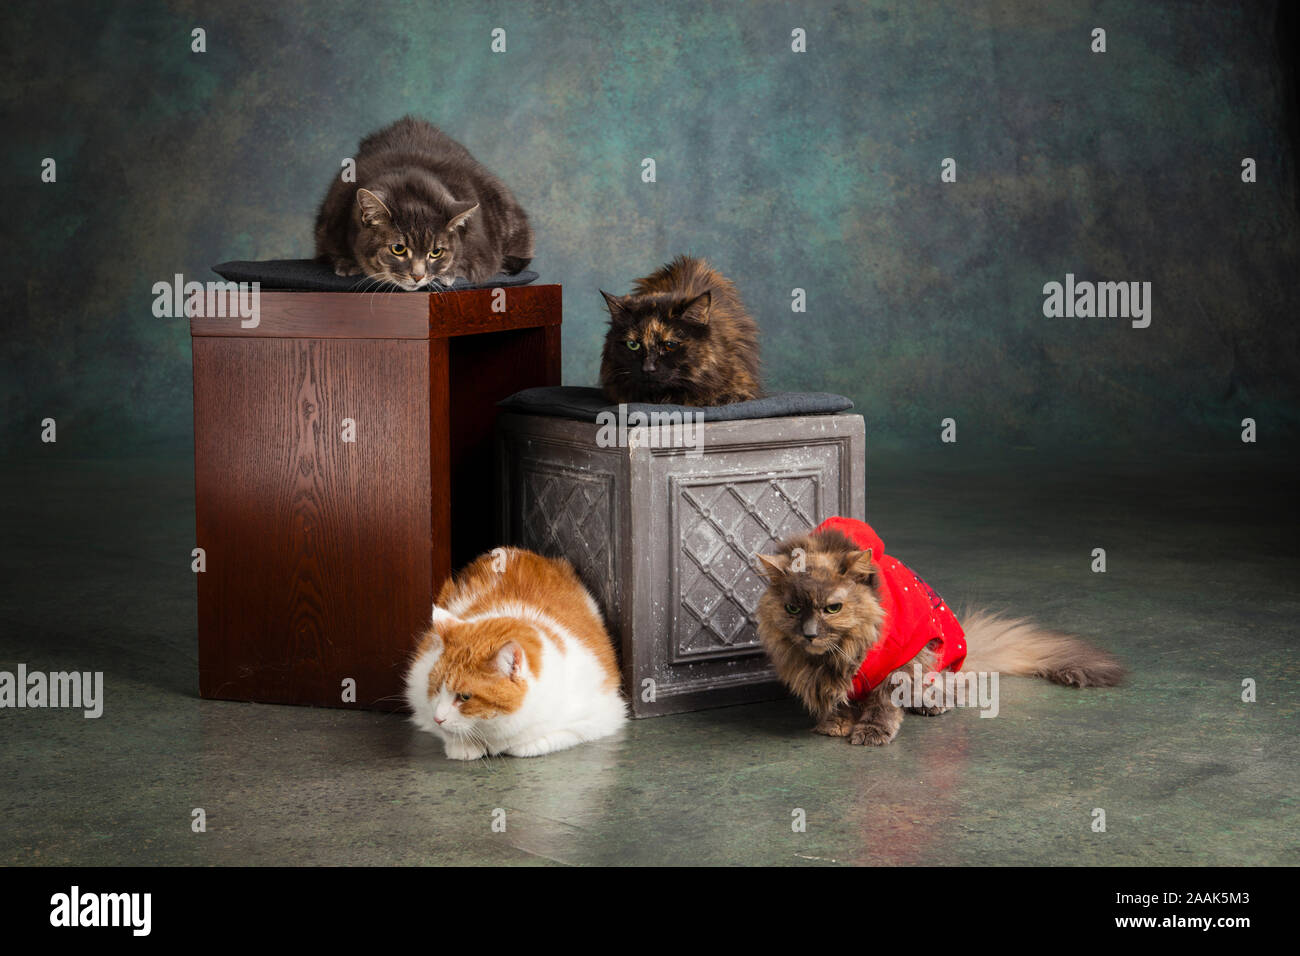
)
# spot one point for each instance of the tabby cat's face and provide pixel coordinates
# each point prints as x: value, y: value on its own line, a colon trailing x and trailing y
x: 654, y: 341
x: 826, y: 605
x: 408, y: 242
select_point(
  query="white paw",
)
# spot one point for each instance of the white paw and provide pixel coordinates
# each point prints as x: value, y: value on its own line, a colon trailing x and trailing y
x: 539, y: 746
x: 464, y: 750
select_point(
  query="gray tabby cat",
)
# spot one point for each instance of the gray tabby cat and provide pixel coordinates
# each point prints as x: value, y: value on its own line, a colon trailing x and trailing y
x: 422, y: 212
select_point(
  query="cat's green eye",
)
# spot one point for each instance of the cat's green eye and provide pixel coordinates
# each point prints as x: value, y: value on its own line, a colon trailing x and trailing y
x: 397, y: 249
x: 833, y: 608
x: 464, y: 696
x: 792, y: 608
x: 436, y: 253
x: 671, y: 346
x: 633, y: 344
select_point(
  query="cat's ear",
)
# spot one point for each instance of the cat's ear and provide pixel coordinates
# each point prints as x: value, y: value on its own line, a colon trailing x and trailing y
x: 697, y: 310
x: 431, y: 642
x: 616, y: 306
x: 460, y: 215
x: 510, y: 660
x: 858, y: 565
x: 373, y: 210
x: 773, y: 566
x: 443, y: 618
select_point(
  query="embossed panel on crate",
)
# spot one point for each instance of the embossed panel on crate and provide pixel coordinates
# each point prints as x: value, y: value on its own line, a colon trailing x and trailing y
x: 719, y: 523
x: 568, y: 513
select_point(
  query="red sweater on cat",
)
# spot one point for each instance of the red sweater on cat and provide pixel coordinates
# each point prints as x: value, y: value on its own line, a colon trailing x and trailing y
x: 914, y: 614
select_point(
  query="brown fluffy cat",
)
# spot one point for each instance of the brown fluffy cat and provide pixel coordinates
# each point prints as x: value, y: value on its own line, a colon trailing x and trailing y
x: 682, y: 337
x: 841, y: 618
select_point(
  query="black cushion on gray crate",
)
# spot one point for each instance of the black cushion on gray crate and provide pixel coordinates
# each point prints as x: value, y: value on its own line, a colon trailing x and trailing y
x: 308, y: 275
x: 584, y: 404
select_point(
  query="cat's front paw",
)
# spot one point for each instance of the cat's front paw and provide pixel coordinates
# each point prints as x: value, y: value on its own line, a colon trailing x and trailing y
x: 464, y: 750
x: 836, y: 725
x: 872, y: 735
x: 928, y: 711
x: 543, y: 745
x: 346, y: 267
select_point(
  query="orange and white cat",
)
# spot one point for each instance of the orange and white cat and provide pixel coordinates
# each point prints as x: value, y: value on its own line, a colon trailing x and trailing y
x: 517, y: 661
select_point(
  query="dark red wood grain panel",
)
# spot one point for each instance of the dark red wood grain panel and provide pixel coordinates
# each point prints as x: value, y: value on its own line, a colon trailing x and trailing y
x: 439, y: 465
x: 325, y: 315
x: 323, y: 556
x: 389, y: 315
x: 470, y: 312
x: 318, y: 550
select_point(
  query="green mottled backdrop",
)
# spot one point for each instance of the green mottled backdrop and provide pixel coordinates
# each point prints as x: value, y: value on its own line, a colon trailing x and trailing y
x: 817, y: 170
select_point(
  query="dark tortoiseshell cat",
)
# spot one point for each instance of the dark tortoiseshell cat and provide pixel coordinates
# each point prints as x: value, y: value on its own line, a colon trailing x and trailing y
x: 422, y: 213
x: 832, y: 607
x: 682, y: 337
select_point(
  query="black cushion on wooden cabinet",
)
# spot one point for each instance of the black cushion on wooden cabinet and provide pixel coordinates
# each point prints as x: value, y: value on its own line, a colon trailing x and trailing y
x: 308, y: 275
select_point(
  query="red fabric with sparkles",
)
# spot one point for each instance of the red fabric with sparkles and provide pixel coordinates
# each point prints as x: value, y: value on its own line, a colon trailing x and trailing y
x: 914, y: 613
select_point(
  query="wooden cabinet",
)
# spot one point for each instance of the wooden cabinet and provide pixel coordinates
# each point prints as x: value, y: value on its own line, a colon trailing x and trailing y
x: 343, y: 468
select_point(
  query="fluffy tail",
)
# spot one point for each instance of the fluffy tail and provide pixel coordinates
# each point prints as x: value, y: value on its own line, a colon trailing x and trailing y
x: 1016, y: 645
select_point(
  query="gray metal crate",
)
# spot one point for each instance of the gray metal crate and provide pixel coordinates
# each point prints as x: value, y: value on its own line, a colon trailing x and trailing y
x: 665, y: 537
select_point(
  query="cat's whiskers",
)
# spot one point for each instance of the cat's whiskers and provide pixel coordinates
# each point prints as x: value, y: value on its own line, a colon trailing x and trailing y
x: 844, y: 656
x: 371, y: 285
x: 379, y: 279
x: 367, y: 281
x: 471, y: 734
x: 488, y: 755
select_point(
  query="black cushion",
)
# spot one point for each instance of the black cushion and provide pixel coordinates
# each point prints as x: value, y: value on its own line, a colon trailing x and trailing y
x: 308, y: 275
x: 584, y: 404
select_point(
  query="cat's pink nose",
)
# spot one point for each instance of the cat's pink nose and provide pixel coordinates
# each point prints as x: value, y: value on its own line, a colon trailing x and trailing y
x: 439, y: 721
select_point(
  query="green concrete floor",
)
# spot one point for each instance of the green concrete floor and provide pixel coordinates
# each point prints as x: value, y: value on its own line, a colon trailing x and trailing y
x: 1200, y: 593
